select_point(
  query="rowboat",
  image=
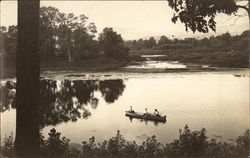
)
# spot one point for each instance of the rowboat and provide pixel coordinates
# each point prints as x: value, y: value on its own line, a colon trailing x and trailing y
x: 146, y: 116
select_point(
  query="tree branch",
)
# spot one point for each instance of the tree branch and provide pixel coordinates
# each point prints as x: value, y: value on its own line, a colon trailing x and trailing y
x: 235, y: 21
x: 244, y: 7
x: 237, y: 17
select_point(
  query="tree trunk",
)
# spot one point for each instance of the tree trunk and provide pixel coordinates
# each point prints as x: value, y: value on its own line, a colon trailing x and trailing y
x: 75, y: 56
x: 69, y: 56
x: 28, y: 72
x: 248, y: 12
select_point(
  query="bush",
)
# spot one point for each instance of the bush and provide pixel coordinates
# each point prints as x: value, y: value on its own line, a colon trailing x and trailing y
x: 54, y: 146
x: 190, y: 144
x: 8, y: 148
x: 243, y: 144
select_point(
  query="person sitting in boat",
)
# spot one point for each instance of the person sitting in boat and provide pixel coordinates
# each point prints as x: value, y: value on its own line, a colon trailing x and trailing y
x: 146, y: 111
x: 156, y: 112
x: 131, y: 110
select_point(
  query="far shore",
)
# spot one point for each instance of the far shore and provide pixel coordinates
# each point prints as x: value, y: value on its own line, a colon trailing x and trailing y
x: 111, y: 66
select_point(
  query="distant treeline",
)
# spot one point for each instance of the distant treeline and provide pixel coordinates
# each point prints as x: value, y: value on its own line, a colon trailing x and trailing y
x: 213, y: 42
x: 222, y: 50
x: 69, y: 38
x: 190, y: 144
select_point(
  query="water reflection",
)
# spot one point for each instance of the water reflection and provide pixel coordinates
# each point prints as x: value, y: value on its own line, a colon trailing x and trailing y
x: 238, y: 75
x: 150, y: 64
x: 111, y: 89
x: 210, y: 100
x: 156, y: 123
x: 8, y: 98
x: 63, y: 101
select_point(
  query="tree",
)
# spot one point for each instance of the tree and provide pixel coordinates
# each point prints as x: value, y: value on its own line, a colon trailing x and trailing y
x: 150, y: 43
x: 139, y: 44
x: 11, y: 39
x: 245, y: 34
x: 83, y: 40
x: 199, y: 15
x: 60, y: 34
x: 27, y: 78
x: 243, y: 144
x: 163, y: 40
x: 8, y: 149
x: 113, y: 45
x: 48, y: 28
x: 9, y: 43
x: 54, y: 146
x: 75, y: 38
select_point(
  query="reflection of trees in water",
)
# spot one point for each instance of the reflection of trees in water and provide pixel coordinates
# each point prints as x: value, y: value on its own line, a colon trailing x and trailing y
x: 156, y: 123
x: 66, y: 100
x: 111, y: 89
x: 7, y: 96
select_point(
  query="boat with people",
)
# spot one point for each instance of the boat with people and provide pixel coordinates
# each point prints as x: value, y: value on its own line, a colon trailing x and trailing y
x: 146, y: 116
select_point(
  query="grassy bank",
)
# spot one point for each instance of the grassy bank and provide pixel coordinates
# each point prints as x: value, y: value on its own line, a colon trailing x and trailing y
x: 223, y: 50
x: 99, y: 64
x: 93, y: 65
x: 217, y: 58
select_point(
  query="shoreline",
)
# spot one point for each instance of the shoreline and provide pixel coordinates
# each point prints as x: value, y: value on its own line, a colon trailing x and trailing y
x: 121, y: 73
x: 108, y: 66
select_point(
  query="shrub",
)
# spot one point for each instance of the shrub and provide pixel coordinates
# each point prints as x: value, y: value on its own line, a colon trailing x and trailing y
x: 55, y: 146
x: 190, y: 144
x: 8, y: 148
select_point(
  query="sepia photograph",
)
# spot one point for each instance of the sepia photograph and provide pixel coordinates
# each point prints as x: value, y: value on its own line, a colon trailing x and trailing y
x: 125, y: 79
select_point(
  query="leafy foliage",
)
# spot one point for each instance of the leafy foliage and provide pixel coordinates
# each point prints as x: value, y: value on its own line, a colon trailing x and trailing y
x: 199, y: 15
x: 193, y: 144
x: 243, y: 144
x: 74, y: 37
x: 62, y: 36
x: 112, y: 45
x: 54, y: 146
x: 8, y: 37
x: 189, y: 144
x: 163, y: 40
x: 7, y: 96
x: 48, y: 28
x: 67, y: 37
x: 223, y: 50
x: 111, y: 89
x: 63, y: 101
x: 8, y: 149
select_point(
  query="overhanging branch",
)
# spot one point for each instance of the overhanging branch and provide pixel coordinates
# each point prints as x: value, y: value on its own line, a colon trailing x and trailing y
x: 244, y: 7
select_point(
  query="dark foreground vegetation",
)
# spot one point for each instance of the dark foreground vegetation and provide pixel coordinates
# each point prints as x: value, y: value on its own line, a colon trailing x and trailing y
x: 193, y: 144
x: 223, y: 50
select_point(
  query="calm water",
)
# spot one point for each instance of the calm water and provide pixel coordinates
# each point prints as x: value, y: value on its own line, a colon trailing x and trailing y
x: 80, y: 107
x: 150, y: 64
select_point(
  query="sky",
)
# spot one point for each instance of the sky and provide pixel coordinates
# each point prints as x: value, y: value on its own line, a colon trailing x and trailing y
x: 131, y: 19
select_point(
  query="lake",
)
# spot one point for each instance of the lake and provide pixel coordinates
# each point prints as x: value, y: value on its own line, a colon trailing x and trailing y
x: 82, y: 105
x: 150, y: 64
x: 153, y: 64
